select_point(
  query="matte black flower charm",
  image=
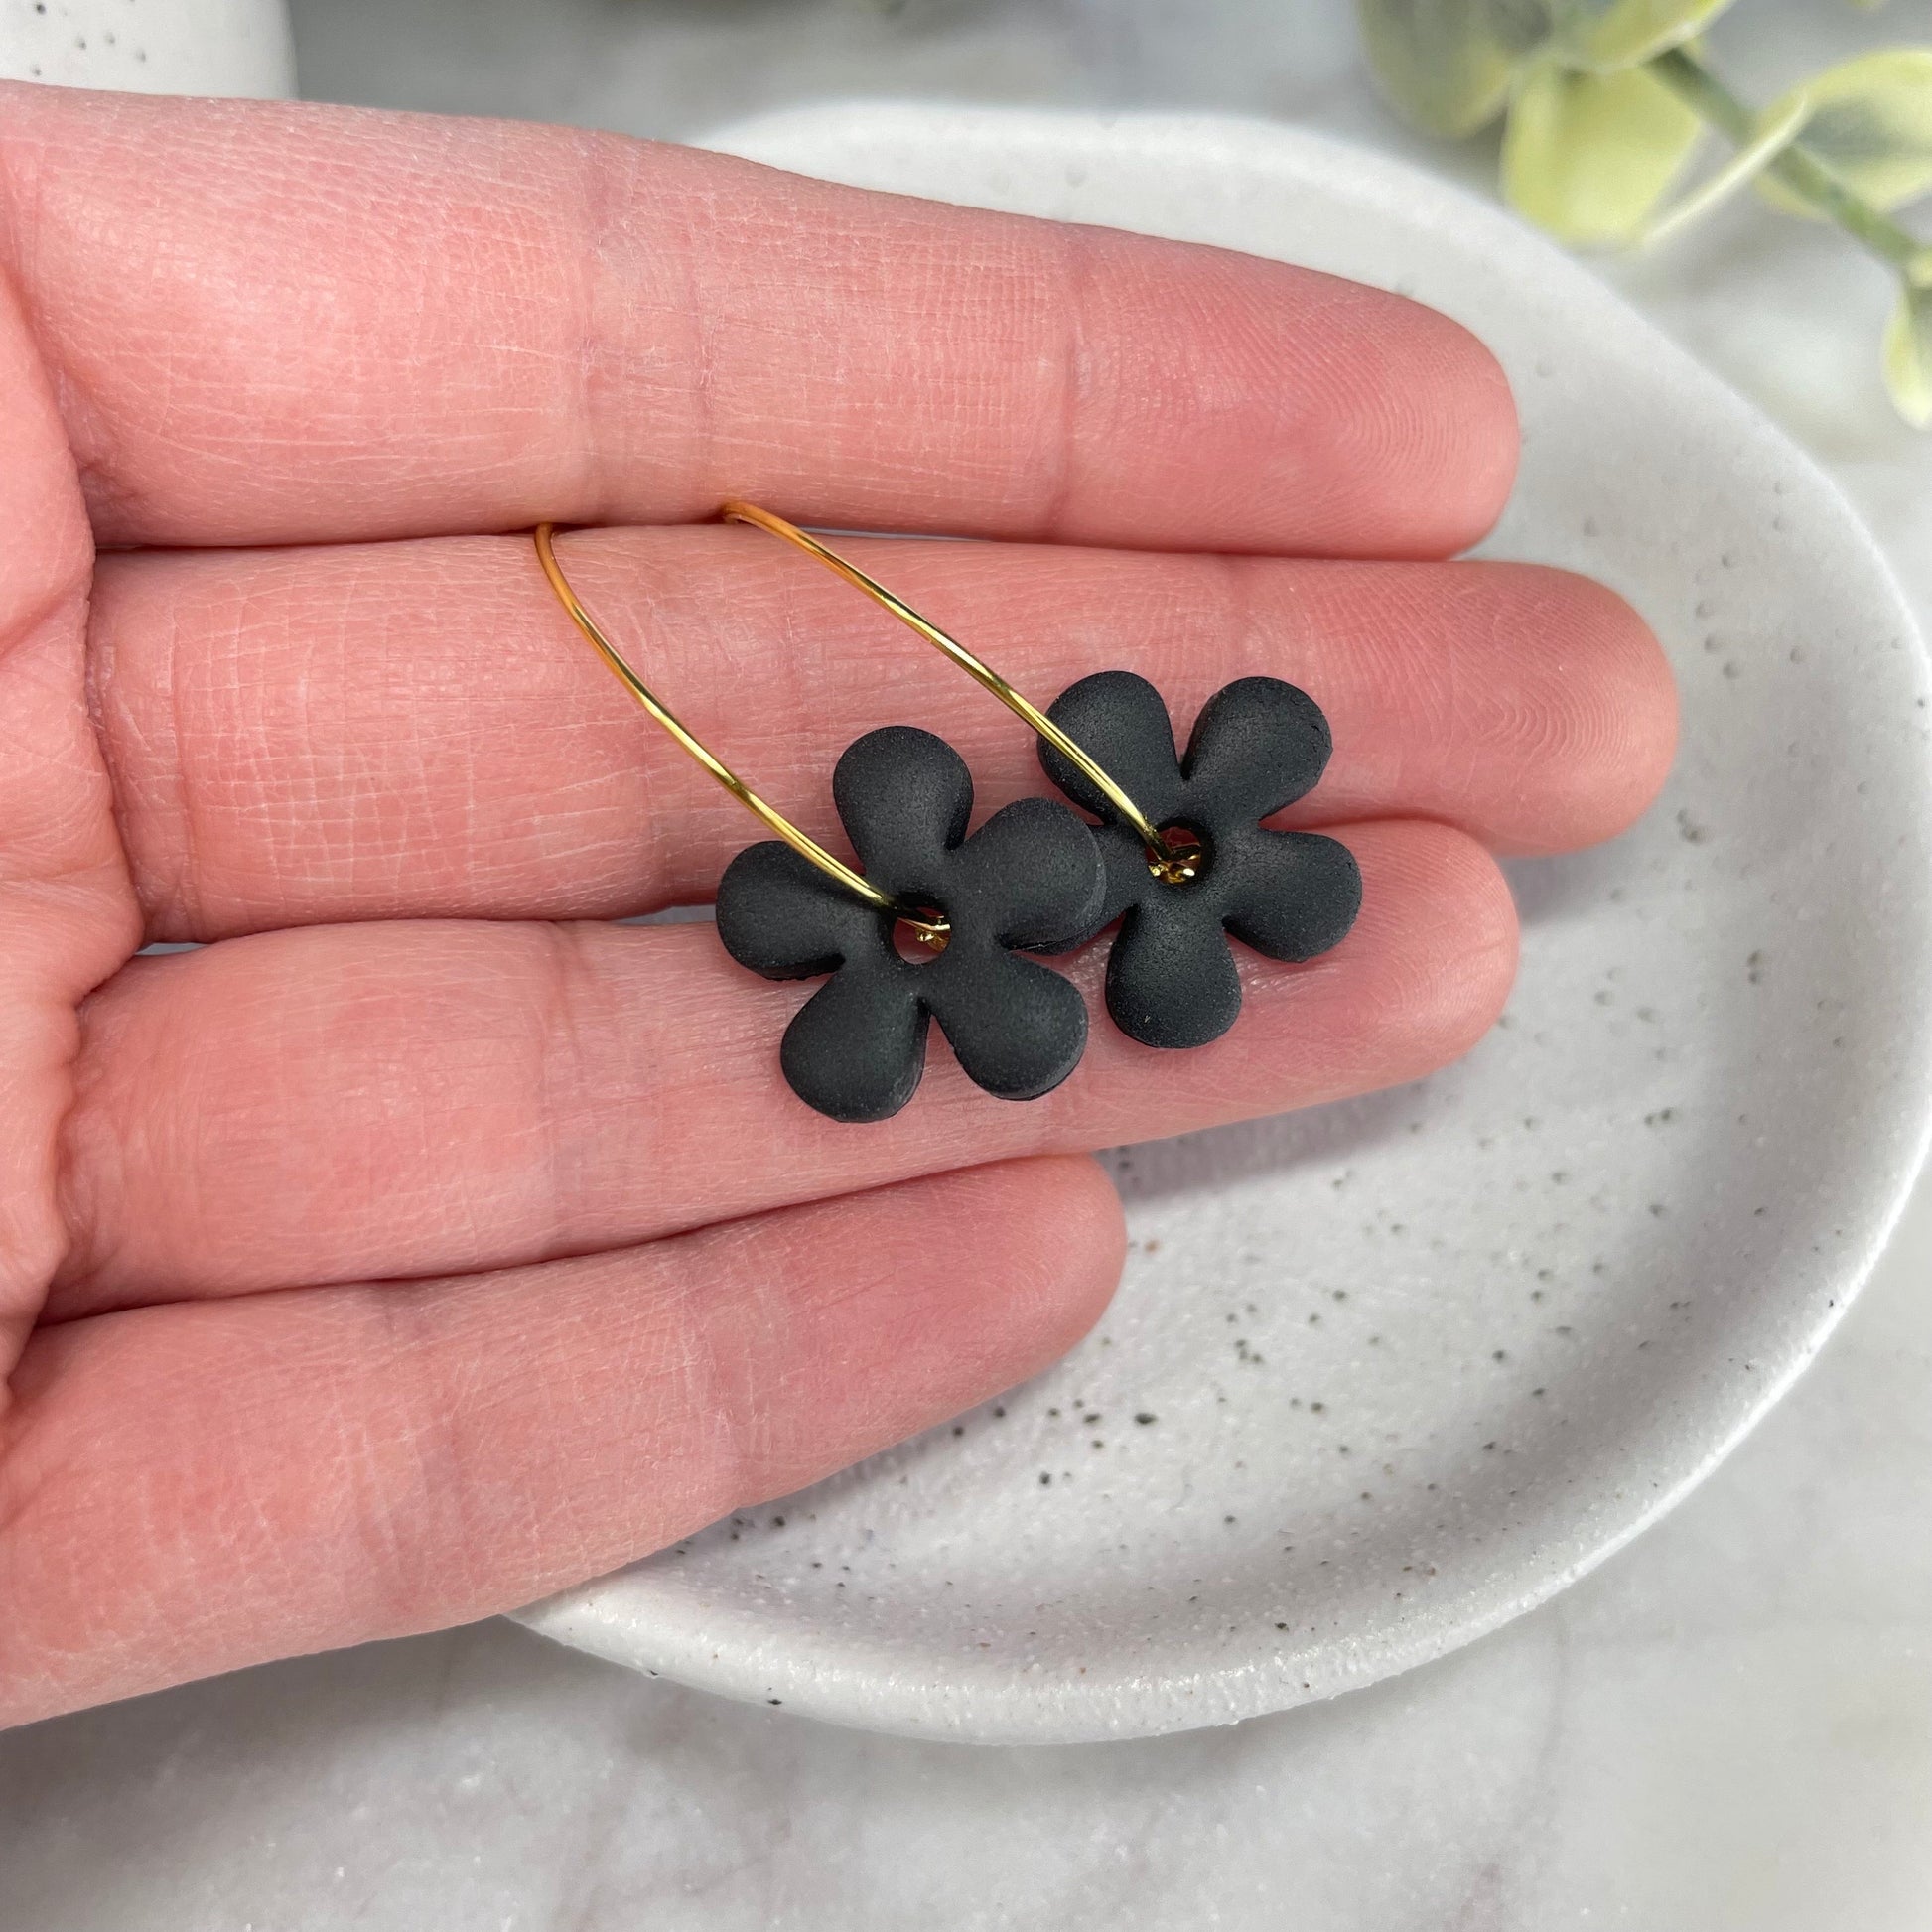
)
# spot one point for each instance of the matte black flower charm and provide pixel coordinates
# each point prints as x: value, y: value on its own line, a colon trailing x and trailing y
x: 1030, y: 877
x: 1258, y: 745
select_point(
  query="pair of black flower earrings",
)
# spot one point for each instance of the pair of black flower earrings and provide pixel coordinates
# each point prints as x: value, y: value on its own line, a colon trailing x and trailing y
x: 1179, y: 857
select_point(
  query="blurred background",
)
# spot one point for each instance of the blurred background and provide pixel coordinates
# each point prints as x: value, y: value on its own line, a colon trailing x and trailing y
x: 1789, y: 311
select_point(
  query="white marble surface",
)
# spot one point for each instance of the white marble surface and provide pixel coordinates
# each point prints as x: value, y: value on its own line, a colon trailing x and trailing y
x: 1728, y: 1729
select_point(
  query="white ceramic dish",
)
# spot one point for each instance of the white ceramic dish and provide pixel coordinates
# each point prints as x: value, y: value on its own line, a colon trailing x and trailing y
x: 1411, y: 1365
x: 149, y: 46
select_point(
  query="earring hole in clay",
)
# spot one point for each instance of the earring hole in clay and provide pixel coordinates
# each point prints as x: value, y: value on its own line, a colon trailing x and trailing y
x: 922, y: 948
x: 1184, y: 860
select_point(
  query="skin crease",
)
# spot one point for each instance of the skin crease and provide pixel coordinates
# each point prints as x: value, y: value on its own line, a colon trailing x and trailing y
x: 332, y: 1303
x: 1529, y: 706
x: 509, y: 1083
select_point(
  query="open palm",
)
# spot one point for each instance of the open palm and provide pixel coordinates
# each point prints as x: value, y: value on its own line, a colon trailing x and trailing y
x: 425, y: 1242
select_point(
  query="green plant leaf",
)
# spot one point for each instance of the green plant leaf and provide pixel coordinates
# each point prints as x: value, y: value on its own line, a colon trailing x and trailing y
x: 1773, y: 136
x: 1909, y: 356
x: 1447, y: 65
x: 1587, y: 156
x: 1608, y: 34
x: 1868, y: 125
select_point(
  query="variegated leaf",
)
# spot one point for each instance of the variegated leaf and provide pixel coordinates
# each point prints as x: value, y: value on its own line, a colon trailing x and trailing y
x: 1909, y: 356
x: 1589, y: 155
x: 1608, y: 34
x: 1868, y: 123
x: 1447, y: 65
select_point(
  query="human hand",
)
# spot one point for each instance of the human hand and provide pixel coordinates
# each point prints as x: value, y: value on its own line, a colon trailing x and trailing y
x: 406, y: 1254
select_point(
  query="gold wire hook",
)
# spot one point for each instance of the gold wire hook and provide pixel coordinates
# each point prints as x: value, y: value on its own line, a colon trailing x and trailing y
x: 929, y: 932
x: 1174, y: 861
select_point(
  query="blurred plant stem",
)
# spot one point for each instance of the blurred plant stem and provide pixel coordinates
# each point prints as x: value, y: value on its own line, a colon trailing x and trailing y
x: 1717, y: 108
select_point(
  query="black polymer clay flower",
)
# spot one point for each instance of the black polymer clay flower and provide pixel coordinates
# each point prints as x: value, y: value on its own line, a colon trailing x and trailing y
x: 1258, y: 745
x: 1030, y: 877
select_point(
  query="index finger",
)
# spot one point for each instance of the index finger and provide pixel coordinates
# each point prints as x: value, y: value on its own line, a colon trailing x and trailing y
x: 278, y: 323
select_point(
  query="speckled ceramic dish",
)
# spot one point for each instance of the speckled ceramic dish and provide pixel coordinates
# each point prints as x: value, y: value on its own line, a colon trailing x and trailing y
x: 1384, y: 1375
x: 149, y: 46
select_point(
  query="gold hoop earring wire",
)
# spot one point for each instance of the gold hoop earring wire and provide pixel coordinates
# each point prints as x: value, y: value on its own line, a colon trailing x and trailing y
x: 930, y: 932
x: 1174, y: 861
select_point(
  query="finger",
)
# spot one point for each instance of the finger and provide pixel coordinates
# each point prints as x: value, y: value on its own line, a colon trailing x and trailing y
x: 417, y: 729
x: 282, y: 324
x: 188, y: 1489
x: 346, y: 1102
x: 68, y: 915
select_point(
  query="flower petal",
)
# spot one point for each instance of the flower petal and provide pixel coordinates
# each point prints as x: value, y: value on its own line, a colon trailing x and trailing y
x: 1125, y: 881
x: 1018, y: 1027
x: 1031, y: 876
x: 856, y: 1048
x: 1121, y: 722
x: 778, y: 914
x: 1171, y: 978
x: 1258, y: 745
x: 1292, y: 894
x: 906, y: 798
